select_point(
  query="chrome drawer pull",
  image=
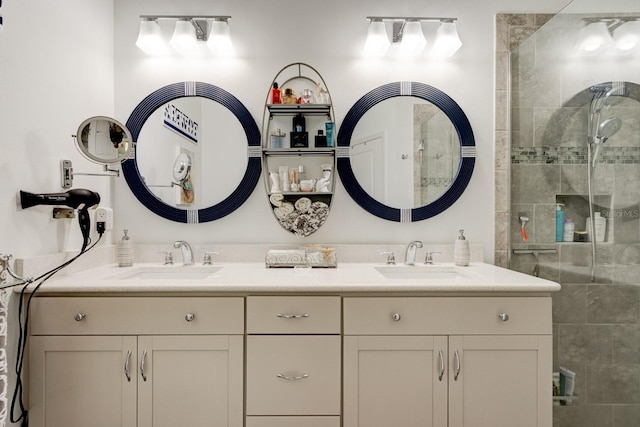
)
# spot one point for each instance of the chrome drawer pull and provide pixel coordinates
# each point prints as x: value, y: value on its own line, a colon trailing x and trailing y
x: 292, y: 316
x: 503, y: 316
x: 144, y: 357
x: 189, y: 317
x: 441, y: 359
x: 284, y: 377
x: 457, y: 357
x: 79, y: 317
x: 126, y: 366
x: 396, y: 317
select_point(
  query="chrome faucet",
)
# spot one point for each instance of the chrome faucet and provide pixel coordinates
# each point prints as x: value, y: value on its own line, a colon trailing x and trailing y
x: 410, y: 256
x: 187, y: 253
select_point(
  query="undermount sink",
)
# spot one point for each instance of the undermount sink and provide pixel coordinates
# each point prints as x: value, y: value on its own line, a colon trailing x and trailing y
x: 169, y: 273
x: 415, y: 272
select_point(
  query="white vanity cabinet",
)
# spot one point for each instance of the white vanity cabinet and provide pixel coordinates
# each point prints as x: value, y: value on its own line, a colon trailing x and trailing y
x: 136, y: 361
x: 447, y: 361
x: 293, y: 356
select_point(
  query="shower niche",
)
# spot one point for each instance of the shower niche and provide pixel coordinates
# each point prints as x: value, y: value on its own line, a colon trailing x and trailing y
x: 576, y: 209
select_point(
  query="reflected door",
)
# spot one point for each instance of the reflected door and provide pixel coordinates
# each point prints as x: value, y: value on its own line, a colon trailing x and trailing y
x: 367, y: 161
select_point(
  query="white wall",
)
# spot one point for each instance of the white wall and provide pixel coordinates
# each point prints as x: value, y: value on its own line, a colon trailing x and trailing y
x: 55, y: 71
x: 330, y: 37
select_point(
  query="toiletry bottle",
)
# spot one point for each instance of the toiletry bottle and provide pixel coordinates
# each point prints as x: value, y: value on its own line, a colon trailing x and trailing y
x: 124, y: 251
x: 299, y: 124
x: 461, y: 252
x: 321, y: 139
x: 601, y: 227
x: 559, y: 222
x: 569, y: 228
x: 328, y: 130
x: 276, y: 94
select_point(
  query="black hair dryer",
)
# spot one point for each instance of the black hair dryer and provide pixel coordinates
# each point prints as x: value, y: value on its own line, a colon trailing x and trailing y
x: 78, y: 198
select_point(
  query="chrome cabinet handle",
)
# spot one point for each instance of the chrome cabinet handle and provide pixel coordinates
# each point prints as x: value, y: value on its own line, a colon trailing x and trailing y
x: 292, y: 316
x: 189, y: 317
x: 126, y: 366
x: 293, y: 378
x: 79, y: 317
x: 396, y: 317
x: 142, y: 362
x: 441, y: 359
x: 458, y: 365
x: 503, y: 316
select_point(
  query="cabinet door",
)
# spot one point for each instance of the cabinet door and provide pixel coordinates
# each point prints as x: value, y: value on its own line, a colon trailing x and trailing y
x: 193, y: 381
x: 502, y: 381
x: 81, y: 381
x: 395, y: 381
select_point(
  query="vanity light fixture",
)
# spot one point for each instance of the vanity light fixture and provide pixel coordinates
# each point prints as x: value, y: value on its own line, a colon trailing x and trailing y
x: 407, y: 32
x: 150, y: 37
x: 594, y: 38
x: 377, y: 40
x: 219, y: 41
x: 626, y: 38
x: 190, y: 34
x: 447, y: 41
x: 413, y: 41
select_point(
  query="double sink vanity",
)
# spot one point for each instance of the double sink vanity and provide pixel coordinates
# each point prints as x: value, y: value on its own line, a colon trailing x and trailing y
x: 238, y: 344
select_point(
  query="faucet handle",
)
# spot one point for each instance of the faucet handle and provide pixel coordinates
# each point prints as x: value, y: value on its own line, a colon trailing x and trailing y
x: 429, y: 258
x: 391, y: 257
x: 168, y: 257
x: 208, y: 260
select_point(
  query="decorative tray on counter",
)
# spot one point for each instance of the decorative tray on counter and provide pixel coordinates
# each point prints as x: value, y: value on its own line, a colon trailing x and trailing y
x: 313, y: 256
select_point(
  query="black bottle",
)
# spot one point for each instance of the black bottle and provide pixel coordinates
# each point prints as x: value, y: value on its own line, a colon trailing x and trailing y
x: 299, y: 123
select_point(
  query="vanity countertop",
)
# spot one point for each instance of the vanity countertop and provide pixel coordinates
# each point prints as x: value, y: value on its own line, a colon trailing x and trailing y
x: 255, y: 278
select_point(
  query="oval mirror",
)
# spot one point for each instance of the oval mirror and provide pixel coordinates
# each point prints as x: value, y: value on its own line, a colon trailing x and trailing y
x: 103, y: 140
x: 197, y: 152
x: 406, y: 152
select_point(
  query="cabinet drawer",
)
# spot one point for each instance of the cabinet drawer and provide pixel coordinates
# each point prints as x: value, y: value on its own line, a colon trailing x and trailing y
x: 293, y: 315
x: 293, y: 422
x: 447, y: 315
x: 133, y: 316
x: 293, y: 375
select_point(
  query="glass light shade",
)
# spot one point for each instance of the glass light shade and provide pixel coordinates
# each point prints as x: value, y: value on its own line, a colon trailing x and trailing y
x: 447, y: 41
x: 150, y: 37
x: 219, y: 41
x: 626, y: 37
x: 413, y: 41
x: 377, y: 40
x: 593, y: 39
x: 184, y: 37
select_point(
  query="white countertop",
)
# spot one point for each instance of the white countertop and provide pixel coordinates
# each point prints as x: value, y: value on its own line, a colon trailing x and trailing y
x: 253, y: 278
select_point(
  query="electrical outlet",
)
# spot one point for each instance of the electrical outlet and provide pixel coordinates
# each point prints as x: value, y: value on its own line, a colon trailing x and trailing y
x: 105, y: 215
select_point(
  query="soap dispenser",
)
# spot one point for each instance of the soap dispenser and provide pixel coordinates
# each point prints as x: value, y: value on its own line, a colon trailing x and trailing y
x: 559, y: 222
x: 461, y: 252
x: 124, y: 251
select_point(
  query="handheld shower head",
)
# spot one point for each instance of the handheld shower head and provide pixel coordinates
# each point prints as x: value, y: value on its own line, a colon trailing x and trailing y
x: 608, y: 128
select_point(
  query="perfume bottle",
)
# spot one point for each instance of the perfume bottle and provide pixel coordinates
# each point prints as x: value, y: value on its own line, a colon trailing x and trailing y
x: 275, y: 95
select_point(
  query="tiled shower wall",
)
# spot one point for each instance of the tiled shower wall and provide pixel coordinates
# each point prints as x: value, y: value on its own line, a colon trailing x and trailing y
x: 541, y: 153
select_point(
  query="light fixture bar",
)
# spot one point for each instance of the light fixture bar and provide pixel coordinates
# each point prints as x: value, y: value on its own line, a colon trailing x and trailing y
x: 225, y: 17
x: 410, y: 18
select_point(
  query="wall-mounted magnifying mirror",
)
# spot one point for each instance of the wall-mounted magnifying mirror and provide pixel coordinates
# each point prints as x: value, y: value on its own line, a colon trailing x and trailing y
x: 197, y: 152
x: 406, y: 151
x: 102, y: 140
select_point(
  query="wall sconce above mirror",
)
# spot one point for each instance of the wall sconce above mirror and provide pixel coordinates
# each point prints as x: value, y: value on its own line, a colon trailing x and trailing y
x: 192, y: 35
x: 101, y: 140
x: 406, y: 152
x: 408, y: 34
